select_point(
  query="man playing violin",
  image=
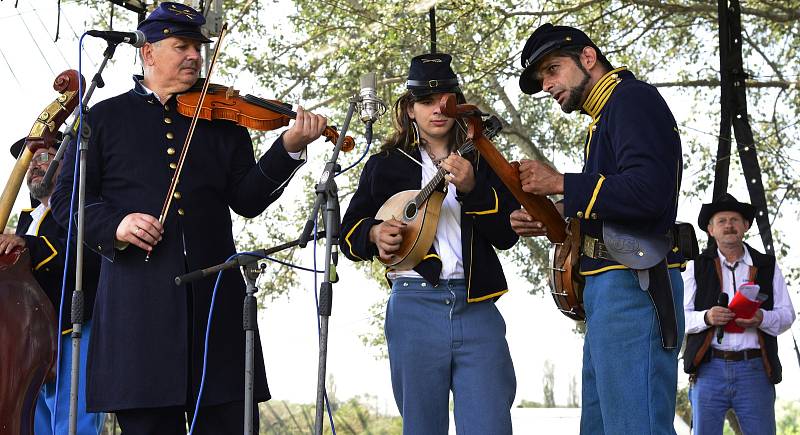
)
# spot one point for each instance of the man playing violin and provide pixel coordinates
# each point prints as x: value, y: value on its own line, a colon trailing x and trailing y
x: 627, y: 192
x: 46, y: 241
x: 146, y: 355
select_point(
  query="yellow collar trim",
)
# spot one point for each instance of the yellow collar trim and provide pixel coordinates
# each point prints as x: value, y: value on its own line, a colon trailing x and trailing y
x: 601, y: 91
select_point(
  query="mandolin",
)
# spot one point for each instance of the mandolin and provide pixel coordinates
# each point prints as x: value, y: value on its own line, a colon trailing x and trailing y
x: 419, y: 210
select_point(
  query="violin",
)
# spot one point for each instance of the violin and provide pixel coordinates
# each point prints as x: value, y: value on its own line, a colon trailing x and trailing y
x: 566, y: 283
x: 538, y: 206
x: 249, y: 111
x: 209, y: 101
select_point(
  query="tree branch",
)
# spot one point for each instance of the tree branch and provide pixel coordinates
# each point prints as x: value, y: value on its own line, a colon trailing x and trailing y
x: 386, y: 81
x: 788, y: 15
x: 713, y: 83
x: 775, y: 68
x: 711, y: 8
x: 575, y: 8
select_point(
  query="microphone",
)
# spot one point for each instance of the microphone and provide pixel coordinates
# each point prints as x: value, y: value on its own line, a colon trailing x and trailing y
x: 722, y: 301
x: 136, y: 38
x: 371, y: 107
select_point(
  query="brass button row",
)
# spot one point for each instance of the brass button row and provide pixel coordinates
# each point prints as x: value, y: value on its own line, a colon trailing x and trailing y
x: 591, y: 216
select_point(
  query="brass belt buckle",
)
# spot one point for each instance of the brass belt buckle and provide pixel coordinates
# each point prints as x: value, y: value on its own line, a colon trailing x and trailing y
x: 589, y: 246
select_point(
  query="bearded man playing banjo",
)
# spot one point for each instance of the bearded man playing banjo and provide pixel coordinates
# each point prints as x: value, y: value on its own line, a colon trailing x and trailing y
x: 626, y: 196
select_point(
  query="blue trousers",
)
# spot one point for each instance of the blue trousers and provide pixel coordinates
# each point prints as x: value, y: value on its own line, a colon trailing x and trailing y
x: 46, y: 407
x: 629, y: 380
x: 739, y: 385
x: 438, y: 343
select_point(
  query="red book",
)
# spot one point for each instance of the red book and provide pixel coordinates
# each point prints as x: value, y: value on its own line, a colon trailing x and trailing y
x: 744, y: 305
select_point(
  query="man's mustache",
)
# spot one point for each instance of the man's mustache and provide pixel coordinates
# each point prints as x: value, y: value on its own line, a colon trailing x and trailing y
x: 36, y: 172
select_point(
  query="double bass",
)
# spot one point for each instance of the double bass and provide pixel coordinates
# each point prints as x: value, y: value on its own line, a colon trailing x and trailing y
x: 28, y: 330
x: 566, y: 283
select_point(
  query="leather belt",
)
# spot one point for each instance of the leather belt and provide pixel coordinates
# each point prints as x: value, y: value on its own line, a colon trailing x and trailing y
x: 736, y: 355
x: 594, y: 248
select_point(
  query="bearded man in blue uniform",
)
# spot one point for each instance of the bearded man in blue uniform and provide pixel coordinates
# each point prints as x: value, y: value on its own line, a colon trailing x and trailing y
x: 626, y: 195
x: 146, y: 352
x: 46, y: 241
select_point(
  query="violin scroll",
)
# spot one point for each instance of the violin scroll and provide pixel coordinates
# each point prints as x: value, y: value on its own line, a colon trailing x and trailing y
x: 332, y: 136
x: 538, y: 206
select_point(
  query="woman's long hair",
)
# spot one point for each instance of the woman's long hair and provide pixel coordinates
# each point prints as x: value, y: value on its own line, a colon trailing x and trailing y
x: 404, y: 136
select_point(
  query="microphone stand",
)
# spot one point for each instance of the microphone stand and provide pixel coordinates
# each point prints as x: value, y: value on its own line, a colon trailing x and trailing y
x: 327, y: 193
x: 77, y: 295
x: 250, y: 270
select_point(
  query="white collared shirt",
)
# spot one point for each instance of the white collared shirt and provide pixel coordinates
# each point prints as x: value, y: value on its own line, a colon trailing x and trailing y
x: 776, y: 321
x: 447, y: 242
x: 37, y: 215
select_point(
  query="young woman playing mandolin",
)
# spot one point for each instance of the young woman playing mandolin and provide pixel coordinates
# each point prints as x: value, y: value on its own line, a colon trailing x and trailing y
x: 442, y: 328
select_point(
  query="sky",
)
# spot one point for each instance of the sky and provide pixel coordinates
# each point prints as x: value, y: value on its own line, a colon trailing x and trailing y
x: 536, y: 331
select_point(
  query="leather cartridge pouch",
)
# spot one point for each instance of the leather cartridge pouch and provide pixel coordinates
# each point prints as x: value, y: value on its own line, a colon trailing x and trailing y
x: 685, y: 240
x: 646, y: 255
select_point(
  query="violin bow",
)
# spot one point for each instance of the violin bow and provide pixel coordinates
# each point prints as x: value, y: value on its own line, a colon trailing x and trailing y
x: 176, y: 177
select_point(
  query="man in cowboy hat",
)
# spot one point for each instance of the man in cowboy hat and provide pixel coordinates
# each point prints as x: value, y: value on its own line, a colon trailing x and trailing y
x: 147, y: 354
x: 737, y: 372
x: 629, y: 189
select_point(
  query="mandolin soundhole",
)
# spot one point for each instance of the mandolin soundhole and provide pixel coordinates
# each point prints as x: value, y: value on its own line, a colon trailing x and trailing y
x: 411, y: 210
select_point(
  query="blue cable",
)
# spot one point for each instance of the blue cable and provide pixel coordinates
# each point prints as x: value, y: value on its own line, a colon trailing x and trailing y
x: 211, y: 313
x: 364, y: 154
x: 205, y: 346
x: 75, y: 176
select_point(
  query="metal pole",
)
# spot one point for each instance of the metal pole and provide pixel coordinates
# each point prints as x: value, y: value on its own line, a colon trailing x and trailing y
x: 77, y: 295
x: 250, y: 324
x: 327, y: 191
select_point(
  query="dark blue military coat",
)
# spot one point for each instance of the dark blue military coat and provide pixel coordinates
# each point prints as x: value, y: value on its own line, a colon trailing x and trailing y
x: 147, y: 343
x: 484, y: 220
x: 48, y: 253
x: 633, y: 164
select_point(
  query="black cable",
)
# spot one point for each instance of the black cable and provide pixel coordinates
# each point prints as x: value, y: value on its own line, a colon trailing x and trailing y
x: 9, y: 67
x: 34, y: 42
x: 44, y: 26
x: 58, y: 22
x: 432, y: 15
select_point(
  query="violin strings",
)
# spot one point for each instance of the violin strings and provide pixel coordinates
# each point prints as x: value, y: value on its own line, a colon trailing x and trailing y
x: 192, y: 126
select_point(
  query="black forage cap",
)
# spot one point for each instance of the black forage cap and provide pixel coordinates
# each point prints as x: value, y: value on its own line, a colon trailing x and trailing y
x: 544, y: 40
x: 432, y: 74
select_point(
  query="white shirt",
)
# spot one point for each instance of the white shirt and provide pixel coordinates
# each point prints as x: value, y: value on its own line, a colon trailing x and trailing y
x: 776, y: 321
x: 37, y: 215
x: 447, y: 242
